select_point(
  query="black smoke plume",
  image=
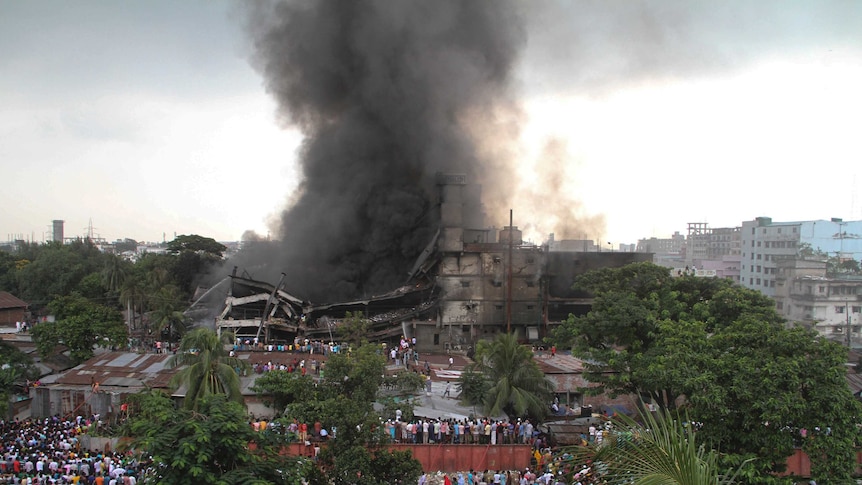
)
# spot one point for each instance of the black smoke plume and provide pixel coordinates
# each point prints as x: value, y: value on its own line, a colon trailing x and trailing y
x: 387, y: 94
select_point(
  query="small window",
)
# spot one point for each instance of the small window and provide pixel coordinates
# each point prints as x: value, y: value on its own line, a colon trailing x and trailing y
x: 530, y: 307
x: 498, y: 284
x: 857, y: 309
x: 839, y: 309
x: 497, y: 259
x: 531, y: 283
x: 465, y: 284
x: 436, y: 339
x: 498, y: 307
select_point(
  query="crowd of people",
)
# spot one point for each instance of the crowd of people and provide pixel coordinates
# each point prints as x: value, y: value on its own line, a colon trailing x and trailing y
x: 482, y: 431
x: 48, y: 451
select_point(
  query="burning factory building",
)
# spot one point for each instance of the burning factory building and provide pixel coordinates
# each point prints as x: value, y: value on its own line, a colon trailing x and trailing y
x: 410, y: 120
x: 467, y: 284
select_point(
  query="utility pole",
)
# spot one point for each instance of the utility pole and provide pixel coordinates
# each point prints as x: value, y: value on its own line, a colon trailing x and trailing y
x: 847, y: 330
x: 509, y: 277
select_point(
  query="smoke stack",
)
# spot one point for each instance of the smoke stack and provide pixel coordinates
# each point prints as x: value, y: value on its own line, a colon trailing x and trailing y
x: 57, y: 230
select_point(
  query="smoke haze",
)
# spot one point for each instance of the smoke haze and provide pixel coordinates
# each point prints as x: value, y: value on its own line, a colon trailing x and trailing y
x: 387, y: 94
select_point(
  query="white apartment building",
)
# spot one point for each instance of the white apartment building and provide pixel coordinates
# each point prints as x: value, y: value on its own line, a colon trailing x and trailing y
x: 765, y: 243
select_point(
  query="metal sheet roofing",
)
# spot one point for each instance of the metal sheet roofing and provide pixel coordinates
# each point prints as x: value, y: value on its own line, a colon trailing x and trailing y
x: 7, y: 300
x: 120, y: 369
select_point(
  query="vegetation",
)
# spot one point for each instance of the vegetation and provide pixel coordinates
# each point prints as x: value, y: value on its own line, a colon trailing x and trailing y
x: 80, y: 325
x: 661, y: 449
x: 343, y: 403
x: 207, y: 368
x: 722, y: 353
x: 505, y: 379
x: 207, y: 446
x: 16, y: 368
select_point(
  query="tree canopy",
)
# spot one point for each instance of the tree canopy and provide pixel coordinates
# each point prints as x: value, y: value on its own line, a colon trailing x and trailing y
x: 724, y: 354
x: 207, y: 446
x: 206, y: 367
x: 504, y: 378
x: 343, y: 403
x: 16, y: 368
x: 80, y: 325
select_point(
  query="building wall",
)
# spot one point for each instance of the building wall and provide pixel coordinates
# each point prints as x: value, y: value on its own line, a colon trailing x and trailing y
x: 765, y: 243
x: 9, y: 316
x: 474, y: 291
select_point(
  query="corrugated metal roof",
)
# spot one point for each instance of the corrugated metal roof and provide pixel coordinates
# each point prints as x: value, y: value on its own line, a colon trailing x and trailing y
x: 120, y: 369
x: 7, y: 300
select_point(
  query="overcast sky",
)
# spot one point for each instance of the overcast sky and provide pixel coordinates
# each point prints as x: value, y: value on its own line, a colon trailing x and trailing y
x: 146, y: 117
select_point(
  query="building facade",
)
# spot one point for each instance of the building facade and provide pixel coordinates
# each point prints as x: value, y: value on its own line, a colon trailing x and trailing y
x: 765, y: 243
x: 830, y: 305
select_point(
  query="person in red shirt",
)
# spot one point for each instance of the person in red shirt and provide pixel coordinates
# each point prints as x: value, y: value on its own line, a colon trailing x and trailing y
x: 303, y: 432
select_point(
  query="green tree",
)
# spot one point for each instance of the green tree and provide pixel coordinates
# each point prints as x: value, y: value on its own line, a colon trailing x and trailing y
x: 208, y: 446
x: 723, y: 353
x: 206, y: 367
x: 8, y: 272
x: 517, y: 386
x: 354, y: 329
x: 57, y: 271
x: 16, y: 368
x: 167, y: 317
x: 133, y: 297
x: 197, y: 244
x: 114, y: 272
x: 90, y: 287
x: 80, y: 325
x: 343, y: 401
x: 661, y: 450
x: 473, y: 387
x: 279, y: 388
x: 194, y: 255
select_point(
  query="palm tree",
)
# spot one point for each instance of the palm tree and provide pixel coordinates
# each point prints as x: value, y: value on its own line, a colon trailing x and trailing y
x: 661, y: 451
x: 132, y: 295
x: 207, y: 367
x: 114, y: 273
x: 166, y: 313
x: 518, y: 386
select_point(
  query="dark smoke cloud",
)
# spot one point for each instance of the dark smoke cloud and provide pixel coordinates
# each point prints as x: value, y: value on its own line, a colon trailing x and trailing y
x: 382, y: 91
x: 593, y: 47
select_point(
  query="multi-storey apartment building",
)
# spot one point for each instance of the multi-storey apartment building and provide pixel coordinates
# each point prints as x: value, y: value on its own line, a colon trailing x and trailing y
x: 830, y: 305
x: 765, y: 243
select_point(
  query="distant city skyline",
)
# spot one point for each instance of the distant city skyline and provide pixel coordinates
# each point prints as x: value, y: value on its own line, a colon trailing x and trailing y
x: 147, y: 118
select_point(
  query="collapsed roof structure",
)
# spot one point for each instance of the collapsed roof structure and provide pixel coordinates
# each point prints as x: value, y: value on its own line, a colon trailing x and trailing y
x: 467, y: 284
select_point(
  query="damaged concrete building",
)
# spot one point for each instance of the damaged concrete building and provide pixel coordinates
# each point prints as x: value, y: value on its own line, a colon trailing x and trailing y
x: 468, y: 284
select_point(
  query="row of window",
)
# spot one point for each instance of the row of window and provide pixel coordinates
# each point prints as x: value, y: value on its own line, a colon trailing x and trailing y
x: 776, y: 230
x: 775, y: 244
x: 766, y: 283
